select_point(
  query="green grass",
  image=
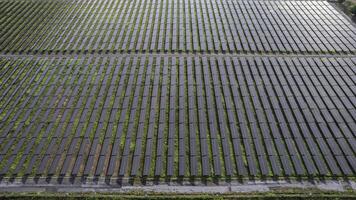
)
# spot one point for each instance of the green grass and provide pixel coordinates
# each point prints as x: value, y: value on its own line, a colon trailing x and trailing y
x: 288, y: 194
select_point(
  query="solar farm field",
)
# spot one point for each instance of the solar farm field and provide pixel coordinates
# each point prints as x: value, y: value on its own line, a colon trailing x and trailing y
x: 183, y: 90
x: 201, y: 26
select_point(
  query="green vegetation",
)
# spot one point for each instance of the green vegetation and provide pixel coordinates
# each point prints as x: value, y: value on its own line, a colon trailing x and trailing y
x: 353, y: 9
x: 287, y: 194
x: 349, y: 6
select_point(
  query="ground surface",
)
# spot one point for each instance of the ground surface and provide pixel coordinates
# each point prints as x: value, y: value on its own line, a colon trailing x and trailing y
x: 176, y: 90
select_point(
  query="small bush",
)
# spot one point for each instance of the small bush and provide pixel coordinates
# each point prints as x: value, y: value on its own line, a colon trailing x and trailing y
x: 353, y: 9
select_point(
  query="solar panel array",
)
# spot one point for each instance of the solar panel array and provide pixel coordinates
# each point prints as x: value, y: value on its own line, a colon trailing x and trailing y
x: 174, y: 26
x: 176, y: 89
x: 178, y: 116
